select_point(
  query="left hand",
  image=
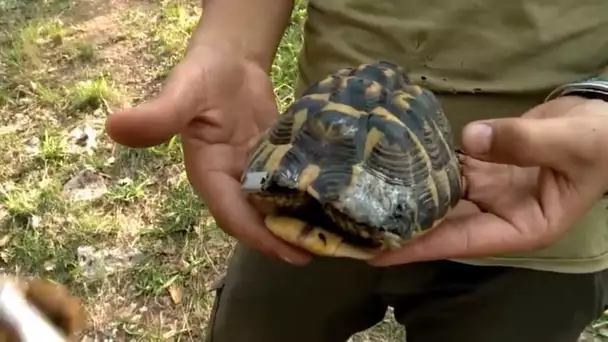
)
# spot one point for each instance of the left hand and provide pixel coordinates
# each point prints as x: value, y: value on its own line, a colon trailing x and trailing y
x: 528, y: 179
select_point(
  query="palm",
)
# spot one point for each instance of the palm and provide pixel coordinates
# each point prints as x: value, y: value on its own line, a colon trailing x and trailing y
x: 220, y: 105
x: 236, y: 104
x: 517, y: 201
x: 540, y: 174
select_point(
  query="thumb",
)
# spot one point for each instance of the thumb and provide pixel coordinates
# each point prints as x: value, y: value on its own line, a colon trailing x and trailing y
x: 521, y: 141
x: 150, y: 123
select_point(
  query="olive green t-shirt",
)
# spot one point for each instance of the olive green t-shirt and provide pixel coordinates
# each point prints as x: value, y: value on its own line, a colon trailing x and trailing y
x: 483, y: 59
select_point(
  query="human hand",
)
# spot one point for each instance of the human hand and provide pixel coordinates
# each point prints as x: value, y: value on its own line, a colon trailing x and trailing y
x: 528, y: 180
x: 219, y: 104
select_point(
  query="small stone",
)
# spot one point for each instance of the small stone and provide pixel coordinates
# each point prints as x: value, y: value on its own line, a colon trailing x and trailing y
x: 86, y: 185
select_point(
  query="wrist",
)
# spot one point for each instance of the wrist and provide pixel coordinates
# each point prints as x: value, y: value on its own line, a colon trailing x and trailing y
x: 208, y: 42
x: 232, y: 47
x: 250, y: 29
x: 593, y: 88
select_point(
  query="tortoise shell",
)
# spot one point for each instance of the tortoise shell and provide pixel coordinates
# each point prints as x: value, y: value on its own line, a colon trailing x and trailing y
x: 363, y: 161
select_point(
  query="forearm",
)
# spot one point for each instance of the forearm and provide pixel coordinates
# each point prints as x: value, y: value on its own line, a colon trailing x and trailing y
x: 252, y: 28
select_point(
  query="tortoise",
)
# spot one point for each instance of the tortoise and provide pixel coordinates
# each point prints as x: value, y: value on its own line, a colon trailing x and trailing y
x: 363, y: 161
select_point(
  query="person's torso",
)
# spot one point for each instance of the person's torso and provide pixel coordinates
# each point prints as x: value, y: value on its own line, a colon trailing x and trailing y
x: 463, y: 45
x: 483, y: 59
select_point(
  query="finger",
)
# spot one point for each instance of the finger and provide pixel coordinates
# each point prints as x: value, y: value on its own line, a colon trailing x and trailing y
x: 467, y: 234
x: 525, y: 142
x: 148, y: 124
x: 238, y: 218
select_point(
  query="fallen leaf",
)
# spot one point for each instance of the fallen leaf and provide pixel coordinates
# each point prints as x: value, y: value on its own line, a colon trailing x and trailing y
x: 175, y: 292
x: 4, y: 240
x: 8, y: 129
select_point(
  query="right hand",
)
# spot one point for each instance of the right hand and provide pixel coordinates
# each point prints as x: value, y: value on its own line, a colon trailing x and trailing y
x: 220, y: 104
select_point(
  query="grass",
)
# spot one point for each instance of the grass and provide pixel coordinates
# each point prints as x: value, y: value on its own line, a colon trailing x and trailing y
x: 122, y: 228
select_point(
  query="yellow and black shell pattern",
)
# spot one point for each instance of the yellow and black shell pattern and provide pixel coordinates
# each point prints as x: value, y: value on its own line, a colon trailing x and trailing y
x: 363, y: 153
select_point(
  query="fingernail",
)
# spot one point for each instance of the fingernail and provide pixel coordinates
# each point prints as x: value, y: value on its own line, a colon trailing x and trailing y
x: 295, y: 263
x: 477, y: 138
x: 286, y: 259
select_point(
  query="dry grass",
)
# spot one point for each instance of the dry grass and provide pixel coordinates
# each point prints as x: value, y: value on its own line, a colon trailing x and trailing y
x: 65, y: 193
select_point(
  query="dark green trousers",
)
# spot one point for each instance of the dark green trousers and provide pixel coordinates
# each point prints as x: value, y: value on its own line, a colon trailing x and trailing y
x: 331, y: 299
